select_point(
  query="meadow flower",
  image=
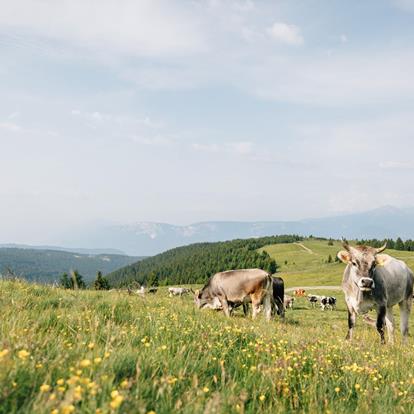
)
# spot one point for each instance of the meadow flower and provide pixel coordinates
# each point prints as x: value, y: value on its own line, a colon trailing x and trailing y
x: 125, y: 384
x: 91, y: 345
x: 117, y: 401
x: 44, y: 388
x: 206, y: 389
x: 262, y: 397
x: 85, y: 363
x: 23, y: 354
x: 337, y: 389
x: 97, y: 360
x: 4, y: 353
x: 54, y: 411
x: 357, y: 387
x: 68, y: 409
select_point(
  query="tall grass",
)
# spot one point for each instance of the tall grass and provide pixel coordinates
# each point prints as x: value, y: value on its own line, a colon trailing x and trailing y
x: 107, y: 352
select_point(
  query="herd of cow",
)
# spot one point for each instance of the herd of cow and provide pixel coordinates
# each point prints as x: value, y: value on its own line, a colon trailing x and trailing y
x: 371, y: 280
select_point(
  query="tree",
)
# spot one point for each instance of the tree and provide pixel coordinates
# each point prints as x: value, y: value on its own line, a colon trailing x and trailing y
x: 330, y: 242
x: 399, y: 244
x: 65, y: 282
x: 153, y: 280
x: 101, y: 282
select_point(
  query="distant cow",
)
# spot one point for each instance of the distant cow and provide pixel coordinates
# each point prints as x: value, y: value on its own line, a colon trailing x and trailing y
x: 178, y: 291
x: 236, y: 287
x: 314, y: 300
x: 374, y: 280
x: 152, y: 290
x: 328, y: 302
x: 299, y: 292
x: 288, y: 301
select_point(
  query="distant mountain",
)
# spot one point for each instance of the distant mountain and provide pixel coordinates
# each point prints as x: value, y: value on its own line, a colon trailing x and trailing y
x: 146, y: 238
x: 80, y: 250
x: 48, y: 265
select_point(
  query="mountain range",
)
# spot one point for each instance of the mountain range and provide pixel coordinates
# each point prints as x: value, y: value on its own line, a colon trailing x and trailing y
x: 149, y: 238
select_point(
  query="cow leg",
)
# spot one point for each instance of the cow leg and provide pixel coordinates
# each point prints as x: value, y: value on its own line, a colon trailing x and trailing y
x: 405, y: 309
x: 245, y: 308
x: 389, y: 322
x: 382, y: 311
x: 351, y: 324
x: 224, y: 305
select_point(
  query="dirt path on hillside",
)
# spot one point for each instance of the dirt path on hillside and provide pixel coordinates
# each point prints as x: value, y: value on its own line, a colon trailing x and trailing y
x: 304, y: 248
x: 313, y: 288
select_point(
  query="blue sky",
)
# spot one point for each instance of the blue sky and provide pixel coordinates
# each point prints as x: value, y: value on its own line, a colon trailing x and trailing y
x: 185, y: 111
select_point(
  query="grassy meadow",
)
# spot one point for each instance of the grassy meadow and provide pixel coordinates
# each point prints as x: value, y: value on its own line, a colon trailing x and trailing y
x: 65, y: 352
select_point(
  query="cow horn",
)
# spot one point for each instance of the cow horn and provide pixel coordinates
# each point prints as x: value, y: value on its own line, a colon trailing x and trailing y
x: 346, y: 245
x: 381, y: 249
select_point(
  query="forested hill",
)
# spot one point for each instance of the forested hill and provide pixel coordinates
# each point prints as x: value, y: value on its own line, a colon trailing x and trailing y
x: 197, y: 262
x: 47, y: 266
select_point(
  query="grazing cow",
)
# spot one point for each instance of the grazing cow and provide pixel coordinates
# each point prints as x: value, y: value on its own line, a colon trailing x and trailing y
x: 299, y: 292
x: 314, y: 299
x: 237, y: 287
x: 278, y: 287
x: 379, y: 281
x: 178, y: 291
x: 328, y: 302
x: 288, y: 301
x: 153, y: 290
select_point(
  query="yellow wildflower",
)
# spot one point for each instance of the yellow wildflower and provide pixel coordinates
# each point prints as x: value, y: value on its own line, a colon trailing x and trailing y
x: 117, y: 401
x: 206, y: 389
x: 97, y: 360
x: 125, y: 383
x: 4, y: 353
x: 60, y: 381
x: 68, y: 409
x: 357, y: 387
x: 337, y: 389
x: 85, y: 363
x: 262, y: 398
x: 23, y: 354
x: 44, y: 388
x: 91, y: 345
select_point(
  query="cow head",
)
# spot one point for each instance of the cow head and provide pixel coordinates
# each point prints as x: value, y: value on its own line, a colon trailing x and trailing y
x: 362, y: 261
x: 201, y: 298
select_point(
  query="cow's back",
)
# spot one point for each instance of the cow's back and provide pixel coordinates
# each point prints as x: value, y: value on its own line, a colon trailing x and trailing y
x: 237, y: 284
x: 396, y: 278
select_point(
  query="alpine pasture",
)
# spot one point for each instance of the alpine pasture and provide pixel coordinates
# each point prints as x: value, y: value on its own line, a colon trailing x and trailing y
x: 67, y: 351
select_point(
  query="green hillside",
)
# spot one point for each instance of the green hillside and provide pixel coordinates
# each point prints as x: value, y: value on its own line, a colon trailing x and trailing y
x: 305, y: 263
x: 46, y: 266
x: 197, y: 262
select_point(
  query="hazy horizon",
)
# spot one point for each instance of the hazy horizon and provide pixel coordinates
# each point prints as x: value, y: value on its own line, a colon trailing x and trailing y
x: 185, y: 112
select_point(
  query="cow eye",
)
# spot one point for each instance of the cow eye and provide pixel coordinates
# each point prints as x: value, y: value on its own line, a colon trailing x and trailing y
x: 354, y: 264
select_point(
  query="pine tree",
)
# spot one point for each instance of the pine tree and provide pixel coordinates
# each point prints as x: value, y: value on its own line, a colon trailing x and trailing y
x: 399, y: 244
x: 77, y: 281
x: 153, y: 280
x: 65, y: 282
x: 101, y: 282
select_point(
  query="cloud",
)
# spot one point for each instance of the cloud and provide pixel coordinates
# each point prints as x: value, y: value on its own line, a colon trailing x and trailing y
x: 10, y: 127
x: 343, y: 38
x: 140, y: 28
x: 286, y: 33
x: 396, y: 165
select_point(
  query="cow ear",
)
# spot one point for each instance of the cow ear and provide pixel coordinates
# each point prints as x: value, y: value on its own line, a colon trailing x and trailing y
x: 344, y: 256
x: 382, y: 259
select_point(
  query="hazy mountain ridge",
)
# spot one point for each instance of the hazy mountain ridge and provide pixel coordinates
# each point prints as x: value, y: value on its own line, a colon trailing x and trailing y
x: 48, y: 265
x: 148, y: 238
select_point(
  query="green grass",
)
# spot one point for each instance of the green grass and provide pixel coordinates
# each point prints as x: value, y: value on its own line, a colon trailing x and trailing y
x: 113, y: 353
x: 311, y: 269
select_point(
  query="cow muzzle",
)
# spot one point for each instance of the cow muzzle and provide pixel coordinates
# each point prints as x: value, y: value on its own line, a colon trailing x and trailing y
x: 366, y: 284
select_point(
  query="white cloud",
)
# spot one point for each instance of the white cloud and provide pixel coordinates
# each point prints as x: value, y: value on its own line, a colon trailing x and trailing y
x: 10, y: 127
x: 286, y: 33
x: 141, y: 28
x: 343, y: 38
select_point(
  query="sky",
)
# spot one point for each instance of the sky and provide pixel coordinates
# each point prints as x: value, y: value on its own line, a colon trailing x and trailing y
x: 182, y: 111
